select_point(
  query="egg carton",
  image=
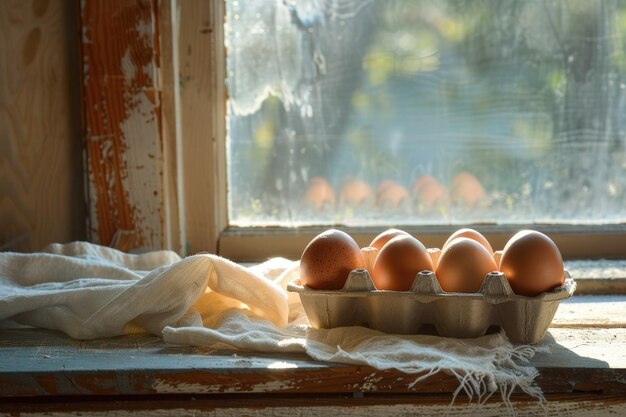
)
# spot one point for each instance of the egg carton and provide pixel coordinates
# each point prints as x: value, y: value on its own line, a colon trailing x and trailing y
x: 426, y: 305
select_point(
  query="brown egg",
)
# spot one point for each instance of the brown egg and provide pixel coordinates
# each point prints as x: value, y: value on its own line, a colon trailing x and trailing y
x: 428, y: 191
x: 384, y: 184
x: 472, y: 234
x: 328, y: 259
x: 320, y: 193
x: 380, y: 240
x: 532, y: 263
x: 398, y: 262
x: 355, y: 192
x: 466, y: 189
x: 463, y: 265
x: 394, y: 195
x: 423, y: 180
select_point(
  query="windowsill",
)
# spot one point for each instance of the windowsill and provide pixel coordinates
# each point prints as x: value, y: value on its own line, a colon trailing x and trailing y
x: 597, y: 277
x: 587, y: 340
x: 242, y: 244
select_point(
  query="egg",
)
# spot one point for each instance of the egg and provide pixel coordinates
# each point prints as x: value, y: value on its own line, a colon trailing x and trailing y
x: 466, y: 189
x: 429, y: 192
x: 398, y: 262
x: 384, y: 184
x: 472, y: 234
x: 463, y: 265
x: 423, y: 180
x: 532, y: 263
x: 392, y: 195
x: 320, y: 193
x: 355, y: 192
x: 384, y: 237
x: 328, y: 259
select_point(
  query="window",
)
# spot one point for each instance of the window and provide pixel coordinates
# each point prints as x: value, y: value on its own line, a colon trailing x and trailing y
x: 427, y: 112
x: 523, y: 99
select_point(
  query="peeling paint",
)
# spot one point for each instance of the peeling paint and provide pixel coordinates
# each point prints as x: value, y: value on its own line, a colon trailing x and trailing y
x: 145, y: 28
x: 369, y: 383
x: 162, y: 386
x: 85, y: 39
x: 147, y: 69
x: 128, y: 68
x: 276, y: 385
x: 85, y: 73
x: 122, y: 117
x: 142, y: 179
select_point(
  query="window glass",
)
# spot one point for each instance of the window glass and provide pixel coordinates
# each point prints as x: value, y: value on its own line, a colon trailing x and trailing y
x: 426, y: 112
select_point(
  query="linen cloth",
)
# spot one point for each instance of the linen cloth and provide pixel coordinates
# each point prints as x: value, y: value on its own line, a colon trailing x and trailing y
x: 90, y: 291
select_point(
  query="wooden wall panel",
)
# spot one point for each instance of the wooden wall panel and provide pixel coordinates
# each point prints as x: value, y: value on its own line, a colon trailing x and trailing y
x: 121, y: 101
x: 41, y: 181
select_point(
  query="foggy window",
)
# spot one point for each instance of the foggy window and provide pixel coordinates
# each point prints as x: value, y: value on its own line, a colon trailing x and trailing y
x: 413, y: 112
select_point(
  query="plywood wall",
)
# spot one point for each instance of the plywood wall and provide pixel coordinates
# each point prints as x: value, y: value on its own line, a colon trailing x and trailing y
x: 41, y: 173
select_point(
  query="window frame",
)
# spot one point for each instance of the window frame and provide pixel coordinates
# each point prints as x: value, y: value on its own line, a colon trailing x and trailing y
x: 155, y: 174
x: 254, y: 244
x: 191, y: 155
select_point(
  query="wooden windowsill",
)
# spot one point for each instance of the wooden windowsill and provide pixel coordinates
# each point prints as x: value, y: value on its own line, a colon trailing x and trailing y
x: 587, y: 364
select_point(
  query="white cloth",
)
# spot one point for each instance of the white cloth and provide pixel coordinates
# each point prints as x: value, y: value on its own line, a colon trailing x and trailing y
x: 89, y: 291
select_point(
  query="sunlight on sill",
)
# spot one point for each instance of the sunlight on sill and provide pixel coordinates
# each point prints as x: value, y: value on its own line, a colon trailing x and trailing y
x: 281, y: 365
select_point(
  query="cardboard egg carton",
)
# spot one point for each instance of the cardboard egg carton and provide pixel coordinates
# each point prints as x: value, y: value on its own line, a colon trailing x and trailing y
x: 426, y: 305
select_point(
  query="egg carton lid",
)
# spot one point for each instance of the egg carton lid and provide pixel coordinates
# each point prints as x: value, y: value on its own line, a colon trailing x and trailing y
x: 495, y: 288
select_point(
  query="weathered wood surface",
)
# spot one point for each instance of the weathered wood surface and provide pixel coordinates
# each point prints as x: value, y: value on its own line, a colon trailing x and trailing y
x: 43, y: 363
x: 598, y: 277
x: 41, y: 179
x: 121, y: 103
x: 38, y: 363
x: 577, y: 405
x: 591, y: 311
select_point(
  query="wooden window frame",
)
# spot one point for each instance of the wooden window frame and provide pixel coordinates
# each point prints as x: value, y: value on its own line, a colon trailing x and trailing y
x: 186, y: 208
x: 150, y: 98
